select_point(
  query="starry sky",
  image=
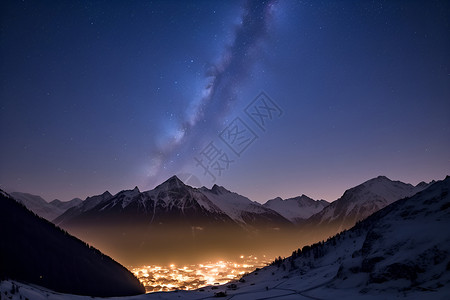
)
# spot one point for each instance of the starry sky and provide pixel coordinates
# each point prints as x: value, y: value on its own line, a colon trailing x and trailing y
x: 266, y: 98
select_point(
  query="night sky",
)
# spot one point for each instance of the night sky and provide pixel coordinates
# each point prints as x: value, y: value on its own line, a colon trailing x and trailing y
x: 267, y: 98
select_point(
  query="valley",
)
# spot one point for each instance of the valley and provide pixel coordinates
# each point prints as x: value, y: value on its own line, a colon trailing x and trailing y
x: 373, y: 241
x: 163, y: 278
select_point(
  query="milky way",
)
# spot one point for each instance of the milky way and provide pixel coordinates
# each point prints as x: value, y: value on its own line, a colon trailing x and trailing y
x: 220, y: 92
x: 98, y: 96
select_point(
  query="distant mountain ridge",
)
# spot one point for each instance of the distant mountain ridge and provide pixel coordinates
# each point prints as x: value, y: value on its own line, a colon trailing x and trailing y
x: 242, y: 210
x: 65, y: 205
x: 298, y: 208
x: 43, y: 208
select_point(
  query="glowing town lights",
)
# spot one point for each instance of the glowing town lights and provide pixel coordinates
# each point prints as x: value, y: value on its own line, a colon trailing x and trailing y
x: 210, y: 280
x: 168, y: 278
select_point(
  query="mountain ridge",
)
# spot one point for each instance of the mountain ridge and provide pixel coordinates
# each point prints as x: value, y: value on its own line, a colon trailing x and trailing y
x: 296, y: 209
x: 45, y: 209
x: 358, y: 203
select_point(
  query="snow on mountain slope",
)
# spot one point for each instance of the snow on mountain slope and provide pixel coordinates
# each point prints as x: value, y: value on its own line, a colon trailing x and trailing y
x: 240, y: 208
x: 123, y: 198
x: 93, y: 201
x: 173, y: 188
x: 84, y: 206
x: 172, y: 194
x: 360, y: 202
x: 297, y: 208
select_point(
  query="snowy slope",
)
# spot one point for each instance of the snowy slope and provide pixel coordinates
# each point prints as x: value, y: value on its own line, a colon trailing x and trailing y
x: 169, y: 197
x: 123, y: 198
x: 241, y: 209
x: 360, y: 202
x: 174, y: 193
x: 297, y: 208
x: 84, y: 206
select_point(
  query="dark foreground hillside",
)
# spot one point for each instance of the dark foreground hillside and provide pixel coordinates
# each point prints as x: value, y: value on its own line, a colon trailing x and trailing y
x: 34, y: 250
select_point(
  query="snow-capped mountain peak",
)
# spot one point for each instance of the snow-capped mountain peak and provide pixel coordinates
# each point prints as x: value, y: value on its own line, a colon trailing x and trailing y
x: 218, y: 189
x: 240, y: 208
x: 297, y: 208
x: 171, y: 183
x: 124, y: 198
x: 359, y: 202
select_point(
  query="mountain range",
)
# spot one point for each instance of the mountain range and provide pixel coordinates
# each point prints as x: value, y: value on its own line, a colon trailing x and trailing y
x: 296, y: 209
x: 154, y: 223
x: 210, y: 220
x: 173, y: 201
x: 222, y: 205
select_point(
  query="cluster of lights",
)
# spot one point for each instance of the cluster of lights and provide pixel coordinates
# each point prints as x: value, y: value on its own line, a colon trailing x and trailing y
x: 173, y: 277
